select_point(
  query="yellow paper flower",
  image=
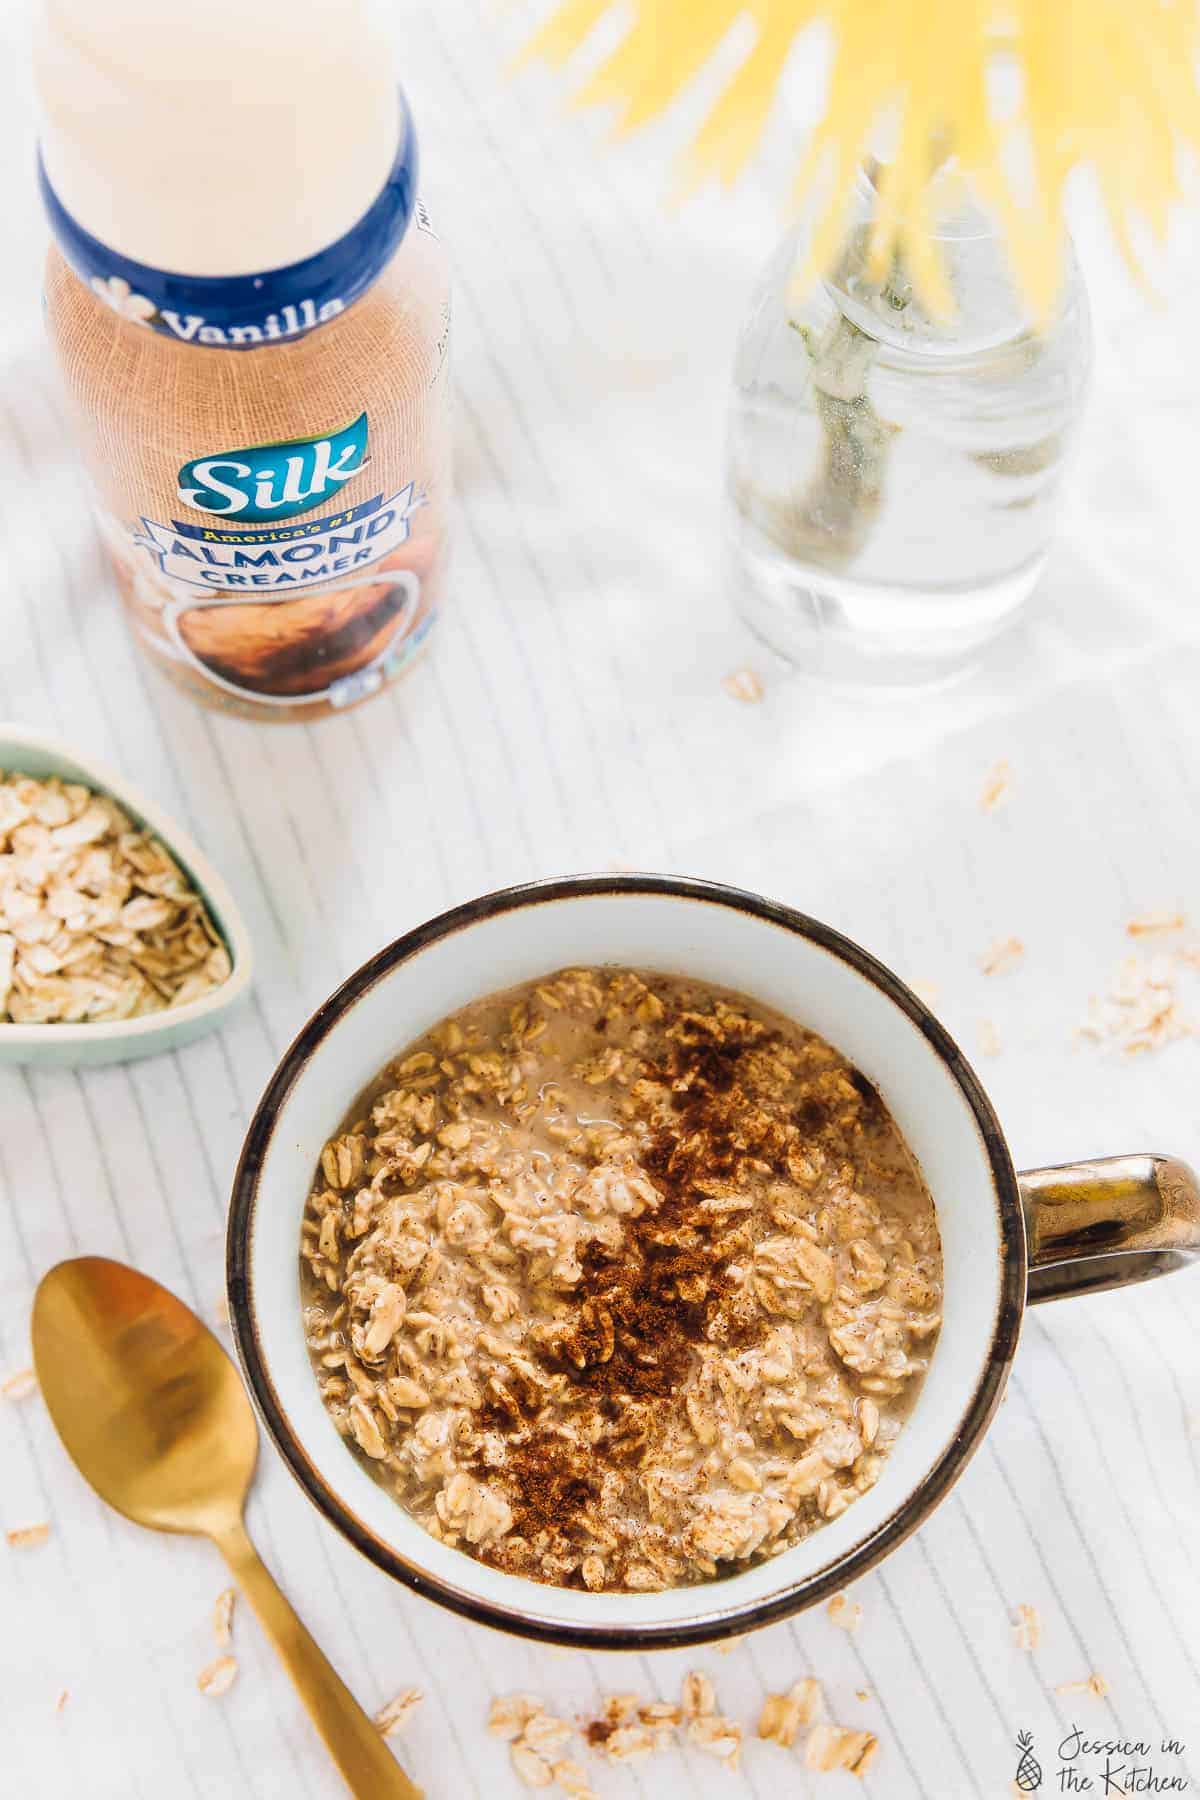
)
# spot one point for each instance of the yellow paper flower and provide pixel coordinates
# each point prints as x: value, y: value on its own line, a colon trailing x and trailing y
x: 1016, y: 92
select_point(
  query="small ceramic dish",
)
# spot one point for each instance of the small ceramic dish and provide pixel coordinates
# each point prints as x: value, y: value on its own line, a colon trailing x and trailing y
x: 121, y: 1040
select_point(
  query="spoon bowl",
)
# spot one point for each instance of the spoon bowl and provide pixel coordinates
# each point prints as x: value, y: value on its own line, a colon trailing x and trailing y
x: 149, y: 1406
x: 153, y: 1414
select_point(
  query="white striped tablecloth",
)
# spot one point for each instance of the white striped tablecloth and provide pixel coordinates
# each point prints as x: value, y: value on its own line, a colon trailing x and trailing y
x: 571, y: 716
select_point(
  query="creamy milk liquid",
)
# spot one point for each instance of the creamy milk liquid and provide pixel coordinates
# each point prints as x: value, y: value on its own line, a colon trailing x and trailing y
x: 250, y: 307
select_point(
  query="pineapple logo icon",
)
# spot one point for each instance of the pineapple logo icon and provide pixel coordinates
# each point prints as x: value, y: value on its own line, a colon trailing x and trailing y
x: 1029, y: 1769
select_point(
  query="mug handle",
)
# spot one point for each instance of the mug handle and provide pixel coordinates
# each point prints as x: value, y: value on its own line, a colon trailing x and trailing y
x: 1108, y: 1223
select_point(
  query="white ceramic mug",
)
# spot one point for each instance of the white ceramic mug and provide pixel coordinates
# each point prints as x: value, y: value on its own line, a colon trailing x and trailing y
x: 1004, y: 1238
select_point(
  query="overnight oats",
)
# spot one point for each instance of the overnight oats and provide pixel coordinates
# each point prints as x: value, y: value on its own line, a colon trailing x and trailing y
x: 620, y: 1281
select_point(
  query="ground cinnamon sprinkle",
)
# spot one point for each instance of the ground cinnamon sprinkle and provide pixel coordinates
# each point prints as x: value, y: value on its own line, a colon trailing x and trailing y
x: 549, y: 1482
x: 645, y: 1308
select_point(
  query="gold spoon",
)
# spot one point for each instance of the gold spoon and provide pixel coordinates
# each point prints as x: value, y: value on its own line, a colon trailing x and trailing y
x: 153, y: 1414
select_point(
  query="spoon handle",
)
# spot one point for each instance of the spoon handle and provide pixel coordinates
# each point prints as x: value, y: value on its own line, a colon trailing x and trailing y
x: 367, y: 1765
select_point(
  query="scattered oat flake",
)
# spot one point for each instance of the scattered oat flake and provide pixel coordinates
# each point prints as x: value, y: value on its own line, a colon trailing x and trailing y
x: 395, y: 1715
x: 997, y: 787
x: 744, y: 684
x: 837, y: 1747
x: 783, y: 1715
x: 1151, y: 924
x: 218, y: 1677
x: 1002, y: 956
x: 628, y: 1743
x: 631, y: 1729
x: 510, y: 1714
x: 1027, y: 1628
x: 867, y: 1756
x: 63, y: 1697
x: 697, y: 1697
x: 730, y: 1644
x: 19, y: 1385
x: 28, y: 1537
x: 662, y: 1720
x: 573, y: 1781
x: 1095, y: 1685
x: 547, y: 1735
x: 223, y: 1617
x: 845, y: 1612
x: 989, y: 1038
x: 622, y: 1709
x: 1140, y: 1011
x: 533, y: 1769
x: 717, y: 1737
x: 863, y: 1694
x: 534, y: 1736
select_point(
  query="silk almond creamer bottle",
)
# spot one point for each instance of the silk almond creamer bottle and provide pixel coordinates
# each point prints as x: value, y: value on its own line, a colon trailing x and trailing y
x: 251, y: 311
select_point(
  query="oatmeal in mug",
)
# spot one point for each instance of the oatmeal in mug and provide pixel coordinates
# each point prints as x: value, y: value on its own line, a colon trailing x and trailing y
x: 620, y: 1281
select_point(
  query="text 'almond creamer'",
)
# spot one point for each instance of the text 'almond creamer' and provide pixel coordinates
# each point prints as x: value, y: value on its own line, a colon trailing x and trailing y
x: 251, y: 310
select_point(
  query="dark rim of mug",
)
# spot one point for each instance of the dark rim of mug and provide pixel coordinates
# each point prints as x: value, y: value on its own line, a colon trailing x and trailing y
x: 722, y: 1620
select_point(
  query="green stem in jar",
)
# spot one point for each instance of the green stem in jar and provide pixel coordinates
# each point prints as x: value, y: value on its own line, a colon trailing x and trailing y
x: 828, y: 520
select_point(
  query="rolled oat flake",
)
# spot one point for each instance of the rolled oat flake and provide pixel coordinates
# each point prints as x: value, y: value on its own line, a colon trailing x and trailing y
x: 250, y: 308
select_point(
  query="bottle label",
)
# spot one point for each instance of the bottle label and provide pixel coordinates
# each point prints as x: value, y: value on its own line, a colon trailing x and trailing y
x: 292, y: 612
x: 308, y: 611
x: 281, y: 560
x: 274, y: 481
x: 291, y: 319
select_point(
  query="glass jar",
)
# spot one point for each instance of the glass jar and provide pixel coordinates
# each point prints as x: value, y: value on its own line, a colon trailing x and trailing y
x: 894, y: 477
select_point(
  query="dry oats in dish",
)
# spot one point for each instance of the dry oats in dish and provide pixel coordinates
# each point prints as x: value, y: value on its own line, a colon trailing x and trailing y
x: 620, y: 1281
x: 97, y: 922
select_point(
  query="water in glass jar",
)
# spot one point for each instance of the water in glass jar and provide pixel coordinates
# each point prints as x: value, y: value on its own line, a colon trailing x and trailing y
x: 894, y: 477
